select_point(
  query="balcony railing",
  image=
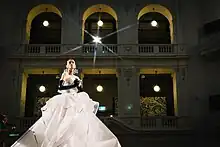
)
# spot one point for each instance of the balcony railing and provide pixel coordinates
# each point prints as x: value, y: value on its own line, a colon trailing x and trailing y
x: 156, y: 123
x: 44, y: 50
x: 131, y: 123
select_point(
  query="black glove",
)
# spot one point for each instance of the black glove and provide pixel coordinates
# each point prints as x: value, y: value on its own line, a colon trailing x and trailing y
x: 76, y: 82
x: 61, y: 87
x: 61, y: 83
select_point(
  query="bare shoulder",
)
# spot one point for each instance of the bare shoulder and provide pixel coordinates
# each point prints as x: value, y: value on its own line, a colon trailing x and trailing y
x: 64, y: 73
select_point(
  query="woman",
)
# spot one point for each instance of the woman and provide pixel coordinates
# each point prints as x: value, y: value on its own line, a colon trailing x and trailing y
x: 69, y: 119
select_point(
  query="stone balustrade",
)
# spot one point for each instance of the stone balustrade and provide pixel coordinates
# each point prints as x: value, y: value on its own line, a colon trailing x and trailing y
x: 108, y: 50
x: 131, y: 123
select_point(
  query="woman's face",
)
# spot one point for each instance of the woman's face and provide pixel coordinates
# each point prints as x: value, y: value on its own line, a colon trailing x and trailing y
x: 70, y: 64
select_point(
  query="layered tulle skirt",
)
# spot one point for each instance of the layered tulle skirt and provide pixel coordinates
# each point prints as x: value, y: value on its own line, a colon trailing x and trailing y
x: 68, y: 120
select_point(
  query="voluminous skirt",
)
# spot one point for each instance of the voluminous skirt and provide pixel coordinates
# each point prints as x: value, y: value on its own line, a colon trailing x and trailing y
x: 68, y: 120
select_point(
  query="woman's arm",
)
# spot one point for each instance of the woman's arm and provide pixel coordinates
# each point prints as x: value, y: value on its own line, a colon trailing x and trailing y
x: 80, y: 84
x: 68, y: 79
x: 62, y: 76
x: 61, y: 87
x: 62, y: 79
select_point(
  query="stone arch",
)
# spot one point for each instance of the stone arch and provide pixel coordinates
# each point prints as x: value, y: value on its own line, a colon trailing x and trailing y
x: 36, y: 11
x: 98, y: 8
x: 162, y: 10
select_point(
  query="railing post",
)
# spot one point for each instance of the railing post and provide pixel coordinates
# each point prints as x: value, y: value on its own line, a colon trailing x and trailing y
x: 43, y: 49
x: 159, y: 124
x: 156, y: 49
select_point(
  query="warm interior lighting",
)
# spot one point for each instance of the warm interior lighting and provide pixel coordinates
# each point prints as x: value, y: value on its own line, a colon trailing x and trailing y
x: 42, y: 88
x: 99, y: 88
x: 45, y: 23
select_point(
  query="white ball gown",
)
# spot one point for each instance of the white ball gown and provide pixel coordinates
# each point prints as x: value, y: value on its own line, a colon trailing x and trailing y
x: 68, y: 120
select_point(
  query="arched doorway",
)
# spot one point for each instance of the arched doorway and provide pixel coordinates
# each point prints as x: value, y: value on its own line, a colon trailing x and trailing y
x: 32, y: 79
x: 153, y: 29
x: 158, y: 92
x: 44, y: 25
x: 101, y: 85
x: 155, y: 25
x: 90, y: 23
x: 46, y: 29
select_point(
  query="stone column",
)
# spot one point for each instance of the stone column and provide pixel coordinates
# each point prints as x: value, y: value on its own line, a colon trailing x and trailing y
x: 71, y: 25
x: 14, y: 89
x: 128, y: 26
x: 182, y: 94
x: 128, y: 92
x: 23, y: 93
x: 19, y: 88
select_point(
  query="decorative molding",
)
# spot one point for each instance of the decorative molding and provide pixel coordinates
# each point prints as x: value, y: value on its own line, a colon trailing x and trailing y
x: 127, y: 48
x: 128, y: 72
x: 118, y: 71
x: 183, y: 73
